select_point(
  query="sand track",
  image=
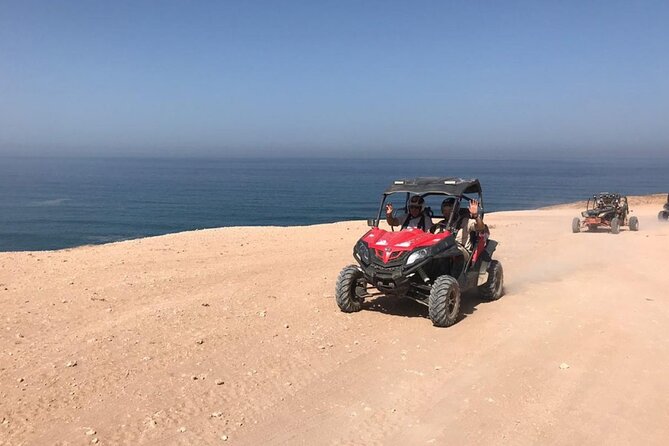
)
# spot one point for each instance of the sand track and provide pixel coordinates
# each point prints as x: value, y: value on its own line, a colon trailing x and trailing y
x: 185, y: 338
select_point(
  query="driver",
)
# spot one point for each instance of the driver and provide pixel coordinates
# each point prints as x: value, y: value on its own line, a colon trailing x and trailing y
x: 599, y: 203
x: 466, y: 224
x: 416, y: 218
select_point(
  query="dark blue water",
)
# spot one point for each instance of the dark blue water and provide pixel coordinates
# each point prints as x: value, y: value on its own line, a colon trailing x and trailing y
x: 51, y: 203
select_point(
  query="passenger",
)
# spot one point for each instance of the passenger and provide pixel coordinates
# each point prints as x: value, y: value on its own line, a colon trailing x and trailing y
x: 416, y: 218
x: 470, y: 222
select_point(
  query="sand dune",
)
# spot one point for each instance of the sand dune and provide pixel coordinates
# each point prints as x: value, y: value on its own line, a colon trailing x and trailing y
x: 232, y: 336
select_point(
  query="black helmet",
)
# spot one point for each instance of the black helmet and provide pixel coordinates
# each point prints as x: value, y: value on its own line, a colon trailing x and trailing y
x: 417, y: 200
x: 448, y: 201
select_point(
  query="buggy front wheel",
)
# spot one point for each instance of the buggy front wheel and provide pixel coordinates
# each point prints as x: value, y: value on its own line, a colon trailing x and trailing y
x: 615, y: 226
x: 444, y: 301
x: 663, y: 216
x: 350, y: 289
x: 576, y: 225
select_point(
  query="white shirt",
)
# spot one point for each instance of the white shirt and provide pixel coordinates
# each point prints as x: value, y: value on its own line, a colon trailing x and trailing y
x: 413, y: 221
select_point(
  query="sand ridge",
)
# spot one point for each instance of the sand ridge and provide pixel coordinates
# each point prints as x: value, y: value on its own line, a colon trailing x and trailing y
x: 232, y: 336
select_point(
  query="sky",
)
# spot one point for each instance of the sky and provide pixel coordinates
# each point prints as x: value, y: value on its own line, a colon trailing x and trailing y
x: 334, y: 78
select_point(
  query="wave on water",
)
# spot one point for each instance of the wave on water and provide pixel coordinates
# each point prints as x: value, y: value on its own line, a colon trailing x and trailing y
x: 105, y: 239
x: 52, y: 202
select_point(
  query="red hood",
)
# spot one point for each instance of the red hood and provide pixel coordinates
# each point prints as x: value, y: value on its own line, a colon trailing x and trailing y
x: 390, y: 245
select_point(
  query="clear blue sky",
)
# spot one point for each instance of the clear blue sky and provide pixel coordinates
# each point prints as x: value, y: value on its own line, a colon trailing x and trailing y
x: 334, y: 77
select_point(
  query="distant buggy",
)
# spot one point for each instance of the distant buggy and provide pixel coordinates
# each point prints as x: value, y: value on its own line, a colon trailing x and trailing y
x: 664, y: 213
x: 605, y: 210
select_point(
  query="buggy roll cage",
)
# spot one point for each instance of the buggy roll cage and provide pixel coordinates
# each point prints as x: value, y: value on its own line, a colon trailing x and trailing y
x: 608, y: 199
x: 457, y: 188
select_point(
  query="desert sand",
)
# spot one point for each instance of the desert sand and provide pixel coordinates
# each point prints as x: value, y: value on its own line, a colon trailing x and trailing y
x: 232, y: 336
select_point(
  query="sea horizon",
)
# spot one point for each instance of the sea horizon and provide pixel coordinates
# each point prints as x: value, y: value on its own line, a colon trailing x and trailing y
x: 567, y: 157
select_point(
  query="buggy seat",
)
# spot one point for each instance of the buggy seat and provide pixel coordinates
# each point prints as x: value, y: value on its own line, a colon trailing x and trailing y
x: 598, y: 212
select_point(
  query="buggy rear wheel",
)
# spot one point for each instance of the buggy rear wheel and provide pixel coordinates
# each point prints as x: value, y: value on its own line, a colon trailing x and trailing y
x: 615, y: 226
x: 350, y: 289
x: 444, y: 301
x: 634, y: 224
x: 576, y: 225
x: 494, y: 286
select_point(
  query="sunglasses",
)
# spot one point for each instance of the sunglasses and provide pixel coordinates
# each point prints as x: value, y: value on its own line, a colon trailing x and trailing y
x: 414, y: 206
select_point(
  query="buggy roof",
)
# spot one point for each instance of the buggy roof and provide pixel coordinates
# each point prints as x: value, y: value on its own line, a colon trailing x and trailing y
x: 607, y: 195
x: 435, y: 185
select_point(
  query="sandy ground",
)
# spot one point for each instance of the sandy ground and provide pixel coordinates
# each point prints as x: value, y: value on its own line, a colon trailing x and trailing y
x: 232, y: 336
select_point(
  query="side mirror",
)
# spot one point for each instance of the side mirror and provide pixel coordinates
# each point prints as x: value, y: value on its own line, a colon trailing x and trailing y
x: 372, y: 222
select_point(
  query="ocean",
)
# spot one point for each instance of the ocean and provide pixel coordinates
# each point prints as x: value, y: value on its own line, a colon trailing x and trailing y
x: 53, y: 203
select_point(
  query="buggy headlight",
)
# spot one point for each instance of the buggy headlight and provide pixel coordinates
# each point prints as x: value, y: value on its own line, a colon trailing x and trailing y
x: 417, y: 255
x: 363, y: 251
